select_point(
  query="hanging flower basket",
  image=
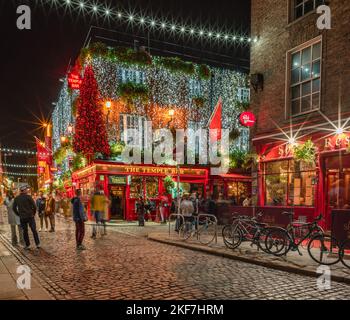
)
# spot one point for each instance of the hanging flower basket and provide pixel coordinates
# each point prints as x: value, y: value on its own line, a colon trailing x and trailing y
x: 305, y: 152
x: 132, y: 92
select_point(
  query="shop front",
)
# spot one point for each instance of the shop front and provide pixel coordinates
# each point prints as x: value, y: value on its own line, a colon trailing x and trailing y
x: 307, y: 189
x: 124, y: 184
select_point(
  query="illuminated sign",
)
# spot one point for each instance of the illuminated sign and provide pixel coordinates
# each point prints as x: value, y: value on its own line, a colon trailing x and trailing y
x: 74, y: 81
x: 117, y: 179
x: 247, y: 119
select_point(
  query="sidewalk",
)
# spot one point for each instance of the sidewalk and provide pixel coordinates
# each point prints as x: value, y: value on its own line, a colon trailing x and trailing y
x: 8, y: 278
x: 293, y: 263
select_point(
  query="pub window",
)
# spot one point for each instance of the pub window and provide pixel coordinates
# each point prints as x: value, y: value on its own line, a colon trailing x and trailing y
x: 131, y: 121
x: 305, y: 79
x: 243, y: 95
x: 132, y: 75
x: 289, y: 183
x: 152, y: 187
x: 237, y: 192
x: 303, y: 7
x: 195, y: 88
x: 136, y: 187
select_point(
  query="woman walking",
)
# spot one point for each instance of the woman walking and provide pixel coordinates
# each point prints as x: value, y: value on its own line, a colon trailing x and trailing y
x: 13, y: 220
x: 79, y: 217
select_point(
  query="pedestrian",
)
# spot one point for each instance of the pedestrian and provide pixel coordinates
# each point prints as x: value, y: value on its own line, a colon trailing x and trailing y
x: 40, y: 206
x: 50, y: 211
x: 163, y: 206
x: 24, y: 207
x: 211, y: 205
x: 79, y: 217
x: 104, y: 215
x: 98, y: 202
x: 13, y: 220
x: 187, y: 208
x: 140, y: 210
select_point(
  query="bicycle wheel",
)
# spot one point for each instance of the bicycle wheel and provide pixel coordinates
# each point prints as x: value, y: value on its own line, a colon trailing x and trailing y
x: 324, y: 249
x: 345, y: 253
x: 232, y: 236
x: 277, y: 242
x: 206, y: 233
x: 260, y: 240
x: 185, y: 231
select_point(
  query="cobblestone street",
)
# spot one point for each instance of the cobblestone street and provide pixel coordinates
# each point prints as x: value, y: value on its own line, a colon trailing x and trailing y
x: 125, y: 265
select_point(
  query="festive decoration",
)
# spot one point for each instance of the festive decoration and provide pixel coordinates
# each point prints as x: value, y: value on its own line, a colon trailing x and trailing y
x: 10, y: 165
x: 132, y: 93
x: 74, y: 81
x: 305, y: 152
x: 215, y: 122
x: 23, y: 152
x: 227, y: 38
x: 168, y: 183
x: 21, y: 174
x: 117, y: 149
x: 90, y: 132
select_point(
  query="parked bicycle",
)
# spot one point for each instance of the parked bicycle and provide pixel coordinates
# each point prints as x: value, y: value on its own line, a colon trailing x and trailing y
x: 204, y: 229
x: 246, y: 228
x: 322, y: 248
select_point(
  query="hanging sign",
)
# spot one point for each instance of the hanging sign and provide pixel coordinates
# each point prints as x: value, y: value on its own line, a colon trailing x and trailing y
x: 247, y: 119
x: 74, y: 80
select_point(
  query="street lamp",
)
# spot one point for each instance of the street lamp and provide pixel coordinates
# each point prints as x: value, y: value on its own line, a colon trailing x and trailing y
x: 108, y: 105
x: 70, y: 129
x: 63, y: 139
x: 171, y: 115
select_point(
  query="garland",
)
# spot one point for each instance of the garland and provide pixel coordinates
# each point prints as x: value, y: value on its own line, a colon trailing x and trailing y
x: 130, y: 57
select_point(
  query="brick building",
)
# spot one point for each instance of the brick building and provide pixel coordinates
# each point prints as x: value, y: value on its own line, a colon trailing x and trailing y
x: 300, y: 97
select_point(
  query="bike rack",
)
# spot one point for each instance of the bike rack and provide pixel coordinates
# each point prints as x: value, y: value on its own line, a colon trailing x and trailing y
x: 175, y: 215
x: 213, y: 218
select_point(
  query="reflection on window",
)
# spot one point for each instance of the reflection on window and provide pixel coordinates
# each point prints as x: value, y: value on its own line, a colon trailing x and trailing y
x: 237, y: 192
x: 289, y: 183
x: 302, y: 7
x: 305, y: 79
x: 151, y: 187
x: 136, y: 187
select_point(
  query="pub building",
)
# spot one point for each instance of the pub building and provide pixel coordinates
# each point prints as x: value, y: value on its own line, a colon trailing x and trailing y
x: 300, y: 80
x: 176, y: 99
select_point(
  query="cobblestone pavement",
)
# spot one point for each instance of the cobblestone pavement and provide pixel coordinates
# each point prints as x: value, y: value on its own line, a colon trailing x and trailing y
x: 125, y: 265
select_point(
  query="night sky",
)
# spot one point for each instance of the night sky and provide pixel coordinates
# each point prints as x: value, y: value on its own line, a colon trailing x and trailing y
x: 33, y: 61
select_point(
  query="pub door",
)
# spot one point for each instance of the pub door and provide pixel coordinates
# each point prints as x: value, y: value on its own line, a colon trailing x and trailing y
x: 117, y: 197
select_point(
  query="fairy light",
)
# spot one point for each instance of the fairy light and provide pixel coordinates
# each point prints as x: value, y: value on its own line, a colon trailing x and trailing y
x: 10, y: 165
x: 142, y: 20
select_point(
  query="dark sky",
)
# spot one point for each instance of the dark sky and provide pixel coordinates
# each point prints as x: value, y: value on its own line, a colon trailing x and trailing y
x: 32, y: 61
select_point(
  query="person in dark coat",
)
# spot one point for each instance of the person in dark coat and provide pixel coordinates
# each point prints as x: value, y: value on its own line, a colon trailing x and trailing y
x: 13, y: 220
x: 140, y: 209
x: 79, y: 217
x: 24, y: 207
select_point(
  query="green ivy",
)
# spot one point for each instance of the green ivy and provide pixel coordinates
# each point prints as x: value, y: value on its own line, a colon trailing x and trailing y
x: 234, y: 134
x: 203, y: 72
x: 78, y: 162
x: 117, y: 148
x: 131, y: 92
x: 62, y: 152
x: 175, y: 64
x: 198, y: 102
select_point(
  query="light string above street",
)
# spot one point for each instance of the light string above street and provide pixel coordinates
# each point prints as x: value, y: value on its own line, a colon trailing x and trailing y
x: 23, y: 152
x: 153, y: 23
x: 20, y: 174
x: 10, y: 165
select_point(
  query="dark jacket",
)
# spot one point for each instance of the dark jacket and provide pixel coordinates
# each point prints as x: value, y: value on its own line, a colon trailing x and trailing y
x: 78, y: 210
x: 41, y: 204
x: 24, y: 206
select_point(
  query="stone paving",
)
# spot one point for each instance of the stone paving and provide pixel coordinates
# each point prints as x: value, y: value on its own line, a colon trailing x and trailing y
x: 125, y: 265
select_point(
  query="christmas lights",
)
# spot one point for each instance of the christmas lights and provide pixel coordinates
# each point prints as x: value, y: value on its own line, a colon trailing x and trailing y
x: 22, y: 152
x: 106, y: 12
x: 18, y: 165
x: 21, y: 174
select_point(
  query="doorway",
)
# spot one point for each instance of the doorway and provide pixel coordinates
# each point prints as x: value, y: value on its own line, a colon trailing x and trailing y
x: 117, y: 197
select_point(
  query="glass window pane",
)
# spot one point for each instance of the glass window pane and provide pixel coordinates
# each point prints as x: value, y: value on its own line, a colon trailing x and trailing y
x: 295, y: 107
x: 306, y: 88
x: 316, y: 66
x: 298, y: 2
x: 296, y: 75
x: 308, y: 6
x: 316, y: 85
x: 276, y: 189
x: 316, y: 101
x: 306, y: 104
x: 316, y: 51
x: 298, y: 12
x: 306, y: 56
x: 306, y: 72
x: 296, y: 92
x: 296, y: 60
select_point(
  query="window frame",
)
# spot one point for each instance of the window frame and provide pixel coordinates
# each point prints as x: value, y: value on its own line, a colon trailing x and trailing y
x: 292, y: 6
x: 288, y: 82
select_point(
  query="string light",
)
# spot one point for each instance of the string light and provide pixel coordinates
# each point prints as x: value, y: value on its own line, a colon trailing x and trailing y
x: 23, y: 152
x: 152, y: 23
x: 18, y: 165
x: 20, y: 174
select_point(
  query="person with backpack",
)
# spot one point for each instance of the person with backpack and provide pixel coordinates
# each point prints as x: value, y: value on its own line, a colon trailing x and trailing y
x: 41, y: 205
x: 79, y: 217
x: 24, y: 207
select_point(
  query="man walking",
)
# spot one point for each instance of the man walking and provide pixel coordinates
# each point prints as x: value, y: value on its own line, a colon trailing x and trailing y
x: 13, y: 220
x: 79, y: 218
x: 24, y: 207
x: 40, y: 205
x: 50, y: 211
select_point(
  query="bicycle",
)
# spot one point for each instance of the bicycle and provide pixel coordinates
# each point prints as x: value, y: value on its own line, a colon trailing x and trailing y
x: 245, y: 228
x: 205, y: 230
x: 322, y: 248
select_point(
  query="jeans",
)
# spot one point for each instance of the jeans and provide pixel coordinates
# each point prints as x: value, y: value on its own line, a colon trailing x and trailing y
x: 24, y: 224
x: 79, y: 232
x: 99, y: 222
x: 14, y: 237
x: 52, y: 221
x: 43, y: 218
